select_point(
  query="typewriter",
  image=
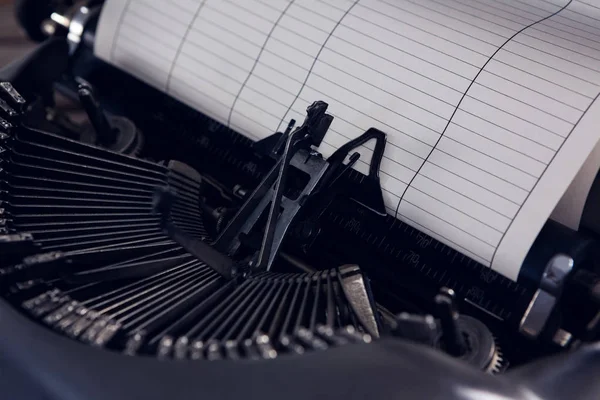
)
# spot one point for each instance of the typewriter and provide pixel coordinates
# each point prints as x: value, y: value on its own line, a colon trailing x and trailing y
x: 147, y: 251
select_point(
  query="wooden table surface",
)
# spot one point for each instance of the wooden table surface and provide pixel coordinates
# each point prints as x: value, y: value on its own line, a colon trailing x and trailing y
x: 13, y: 43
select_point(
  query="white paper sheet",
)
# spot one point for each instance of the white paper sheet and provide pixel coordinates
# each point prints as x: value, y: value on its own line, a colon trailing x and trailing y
x: 569, y: 209
x: 483, y: 101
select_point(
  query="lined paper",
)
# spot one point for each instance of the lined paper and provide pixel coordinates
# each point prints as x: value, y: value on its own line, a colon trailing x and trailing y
x: 481, y: 99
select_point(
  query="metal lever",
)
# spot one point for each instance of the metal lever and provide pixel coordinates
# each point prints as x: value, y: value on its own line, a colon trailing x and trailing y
x: 107, y: 136
x: 545, y: 298
x: 116, y: 133
x: 356, y: 289
x: 448, y: 314
x: 279, y: 220
x: 283, y: 210
x: 370, y: 196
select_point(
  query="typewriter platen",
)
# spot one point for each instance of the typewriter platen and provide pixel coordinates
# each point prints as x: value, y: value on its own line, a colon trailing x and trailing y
x: 147, y: 250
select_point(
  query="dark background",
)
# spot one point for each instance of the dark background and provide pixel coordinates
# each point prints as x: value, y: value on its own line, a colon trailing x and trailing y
x: 13, y: 43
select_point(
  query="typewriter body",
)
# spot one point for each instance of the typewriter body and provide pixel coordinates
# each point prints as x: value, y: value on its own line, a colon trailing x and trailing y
x: 147, y: 251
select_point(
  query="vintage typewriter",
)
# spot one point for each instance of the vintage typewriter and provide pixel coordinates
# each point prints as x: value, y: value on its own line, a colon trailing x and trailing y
x: 147, y: 251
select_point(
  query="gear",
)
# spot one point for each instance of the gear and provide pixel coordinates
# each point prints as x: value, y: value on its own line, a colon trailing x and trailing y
x: 483, y: 351
x: 136, y: 148
x: 497, y: 363
x: 223, y: 215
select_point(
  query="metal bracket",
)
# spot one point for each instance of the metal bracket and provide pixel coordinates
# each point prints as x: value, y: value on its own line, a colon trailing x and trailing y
x: 73, y: 20
x: 283, y: 210
x: 547, y: 296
